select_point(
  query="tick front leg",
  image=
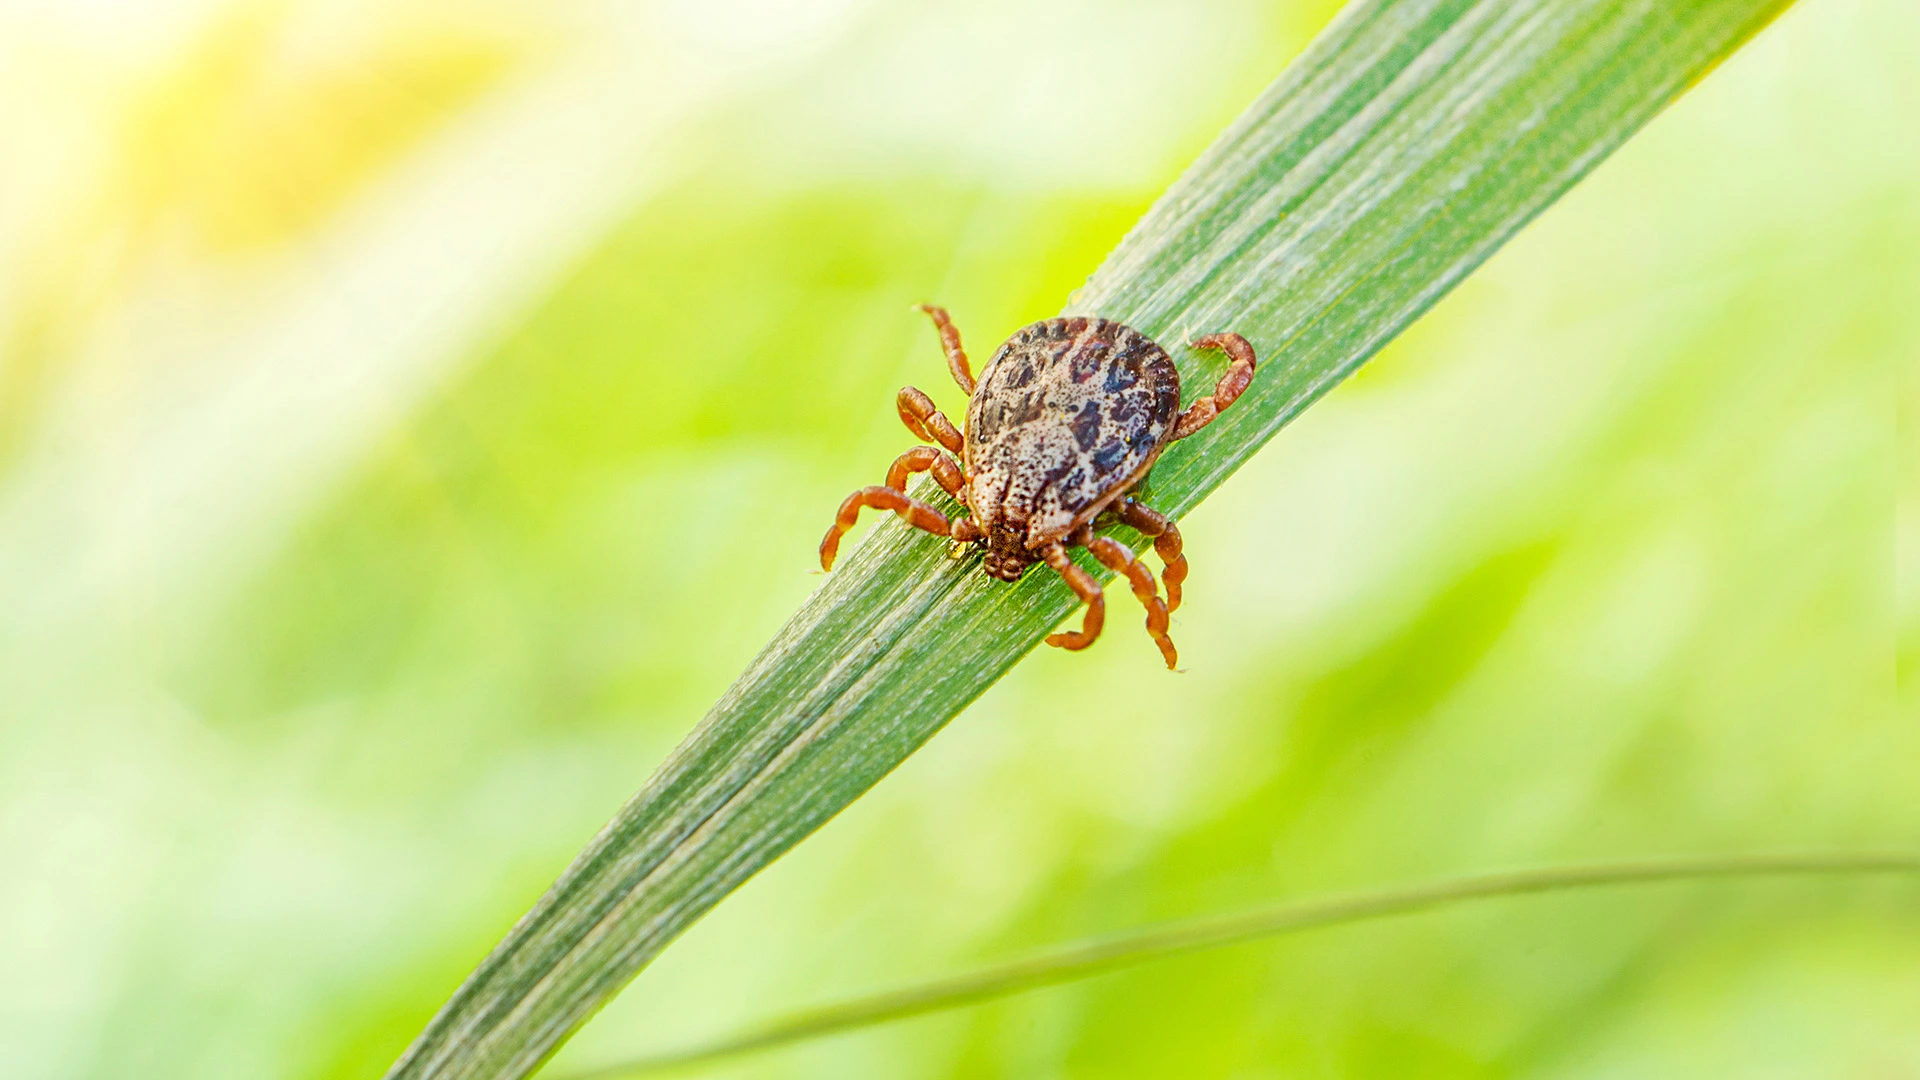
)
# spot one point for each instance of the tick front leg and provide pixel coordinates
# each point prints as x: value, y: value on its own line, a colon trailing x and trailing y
x: 1118, y: 559
x: 1202, y: 412
x: 946, y: 471
x: 1166, y: 543
x: 911, y: 510
x: 1087, y: 589
x: 950, y: 343
x: 917, y: 411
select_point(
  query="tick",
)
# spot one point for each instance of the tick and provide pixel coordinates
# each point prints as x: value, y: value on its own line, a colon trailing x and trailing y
x: 1064, y: 424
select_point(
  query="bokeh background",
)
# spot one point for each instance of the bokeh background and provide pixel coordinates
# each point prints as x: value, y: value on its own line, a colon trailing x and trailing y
x: 413, y: 414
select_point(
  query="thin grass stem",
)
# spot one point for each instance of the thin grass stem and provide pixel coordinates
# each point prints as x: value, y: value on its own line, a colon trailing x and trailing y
x: 1090, y: 958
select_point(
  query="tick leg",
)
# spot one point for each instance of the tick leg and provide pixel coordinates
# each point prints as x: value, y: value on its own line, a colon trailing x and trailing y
x: 1201, y: 413
x: 1118, y: 559
x: 1087, y: 589
x: 950, y: 341
x: 946, y: 471
x: 917, y: 411
x: 913, y: 511
x: 1166, y: 543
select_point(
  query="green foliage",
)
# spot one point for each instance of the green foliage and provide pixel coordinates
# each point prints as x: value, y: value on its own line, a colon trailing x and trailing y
x: 1388, y: 162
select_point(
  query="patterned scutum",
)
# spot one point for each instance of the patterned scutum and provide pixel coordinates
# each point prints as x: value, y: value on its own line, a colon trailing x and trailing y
x: 1069, y: 414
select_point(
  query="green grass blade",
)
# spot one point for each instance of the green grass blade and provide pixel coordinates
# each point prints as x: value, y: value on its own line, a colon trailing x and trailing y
x: 1409, y: 141
x: 1097, y: 957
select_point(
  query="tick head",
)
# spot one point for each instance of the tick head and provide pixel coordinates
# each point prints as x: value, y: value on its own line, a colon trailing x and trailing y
x: 1007, y: 554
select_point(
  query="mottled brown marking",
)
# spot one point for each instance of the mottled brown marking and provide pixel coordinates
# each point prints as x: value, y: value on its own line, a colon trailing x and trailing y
x: 1068, y: 414
x: 1067, y: 418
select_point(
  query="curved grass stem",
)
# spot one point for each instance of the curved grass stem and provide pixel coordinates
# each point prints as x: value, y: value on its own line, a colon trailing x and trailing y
x: 1084, y: 960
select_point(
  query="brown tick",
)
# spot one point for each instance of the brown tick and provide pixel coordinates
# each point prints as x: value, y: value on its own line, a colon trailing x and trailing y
x: 1061, y: 430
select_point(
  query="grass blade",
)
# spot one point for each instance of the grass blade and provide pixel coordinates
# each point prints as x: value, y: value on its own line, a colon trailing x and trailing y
x: 1098, y: 957
x: 1408, y: 142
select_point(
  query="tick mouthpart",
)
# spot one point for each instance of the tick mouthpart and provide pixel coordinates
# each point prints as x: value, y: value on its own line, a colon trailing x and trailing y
x: 1004, y: 567
x: 1007, y: 555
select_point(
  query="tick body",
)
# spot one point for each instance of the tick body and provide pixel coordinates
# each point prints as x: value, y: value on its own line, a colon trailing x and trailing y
x: 1063, y: 426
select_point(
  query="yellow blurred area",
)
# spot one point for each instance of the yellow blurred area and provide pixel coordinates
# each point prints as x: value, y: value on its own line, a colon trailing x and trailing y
x: 251, y: 138
x: 252, y: 127
x: 414, y: 414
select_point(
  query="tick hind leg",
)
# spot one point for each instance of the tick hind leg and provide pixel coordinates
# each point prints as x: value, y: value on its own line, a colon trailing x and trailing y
x: 1239, y: 374
x: 891, y: 496
x: 1088, y: 590
x: 1118, y: 559
x: 1166, y: 543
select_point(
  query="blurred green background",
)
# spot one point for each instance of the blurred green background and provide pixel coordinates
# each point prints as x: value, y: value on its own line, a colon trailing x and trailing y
x: 413, y: 414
